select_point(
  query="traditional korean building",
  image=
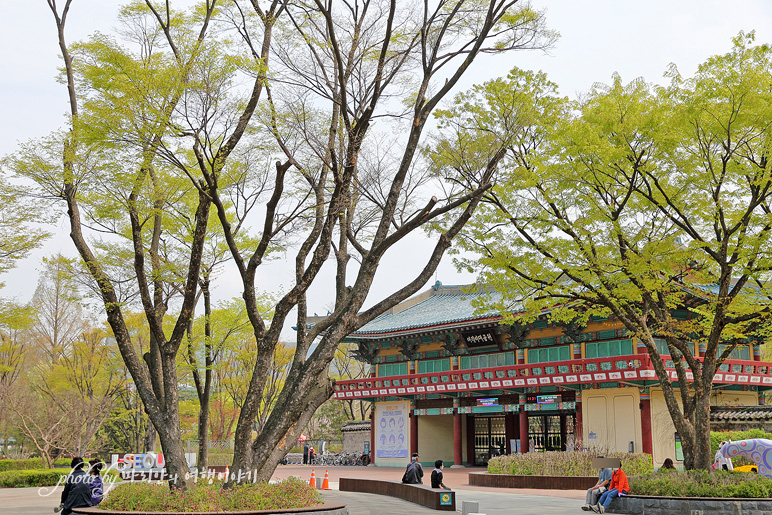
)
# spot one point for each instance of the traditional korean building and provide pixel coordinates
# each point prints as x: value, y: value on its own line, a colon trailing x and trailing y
x: 455, y: 385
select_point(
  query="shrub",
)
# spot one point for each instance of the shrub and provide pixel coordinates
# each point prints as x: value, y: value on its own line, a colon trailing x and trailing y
x: 290, y: 493
x: 25, y: 478
x: 558, y: 463
x: 220, y: 459
x: 701, y: 483
x: 29, y: 464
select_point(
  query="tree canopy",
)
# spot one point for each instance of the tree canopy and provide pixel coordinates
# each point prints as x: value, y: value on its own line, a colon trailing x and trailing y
x: 633, y: 203
x: 278, y: 118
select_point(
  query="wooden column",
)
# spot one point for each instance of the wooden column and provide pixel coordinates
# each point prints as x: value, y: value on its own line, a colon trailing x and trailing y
x: 458, y: 461
x: 372, y: 434
x: 646, y: 422
x: 470, y: 440
x: 523, y: 426
x: 511, y: 430
x: 578, y: 435
x: 563, y: 432
x: 413, y: 430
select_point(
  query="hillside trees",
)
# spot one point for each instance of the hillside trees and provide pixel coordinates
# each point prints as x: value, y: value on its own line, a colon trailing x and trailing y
x: 278, y: 117
x: 71, y: 373
x: 647, y: 204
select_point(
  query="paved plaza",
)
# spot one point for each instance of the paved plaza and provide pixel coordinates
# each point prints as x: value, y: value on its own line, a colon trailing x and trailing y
x: 26, y: 501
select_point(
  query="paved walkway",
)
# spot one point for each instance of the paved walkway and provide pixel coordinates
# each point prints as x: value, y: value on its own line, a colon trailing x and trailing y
x: 492, y: 501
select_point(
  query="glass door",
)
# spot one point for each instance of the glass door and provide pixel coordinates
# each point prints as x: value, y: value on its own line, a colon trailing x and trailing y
x: 546, y: 432
x: 489, y: 438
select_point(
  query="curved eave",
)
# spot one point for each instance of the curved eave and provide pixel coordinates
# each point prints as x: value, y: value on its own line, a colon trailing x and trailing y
x: 433, y: 328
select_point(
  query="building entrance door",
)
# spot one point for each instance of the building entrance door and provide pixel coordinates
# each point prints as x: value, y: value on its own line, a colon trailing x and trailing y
x: 489, y: 438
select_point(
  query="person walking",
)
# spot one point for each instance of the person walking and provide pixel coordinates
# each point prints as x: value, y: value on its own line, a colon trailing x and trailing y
x: 305, y: 453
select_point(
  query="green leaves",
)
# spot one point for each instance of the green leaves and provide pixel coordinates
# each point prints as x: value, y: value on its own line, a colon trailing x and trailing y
x: 635, y: 202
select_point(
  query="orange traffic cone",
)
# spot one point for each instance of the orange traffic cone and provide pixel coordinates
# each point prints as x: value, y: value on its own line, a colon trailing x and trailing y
x: 326, y: 482
x: 227, y: 472
x: 312, y: 482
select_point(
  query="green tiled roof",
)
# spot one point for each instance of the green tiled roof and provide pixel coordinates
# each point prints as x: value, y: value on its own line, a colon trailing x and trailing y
x: 439, y: 306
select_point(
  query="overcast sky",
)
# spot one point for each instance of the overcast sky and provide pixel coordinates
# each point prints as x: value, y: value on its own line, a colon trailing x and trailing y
x: 598, y: 38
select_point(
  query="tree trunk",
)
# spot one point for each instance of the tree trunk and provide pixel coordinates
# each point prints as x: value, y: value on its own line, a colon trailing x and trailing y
x: 203, y: 433
x: 149, y: 441
x: 300, y: 399
x: 702, y: 458
x: 174, y: 458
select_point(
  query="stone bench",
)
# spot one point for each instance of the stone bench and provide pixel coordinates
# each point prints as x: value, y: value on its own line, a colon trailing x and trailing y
x: 425, y: 495
x: 640, y: 504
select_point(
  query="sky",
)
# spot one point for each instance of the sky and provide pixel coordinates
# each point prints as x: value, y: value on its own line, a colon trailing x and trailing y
x: 598, y: 38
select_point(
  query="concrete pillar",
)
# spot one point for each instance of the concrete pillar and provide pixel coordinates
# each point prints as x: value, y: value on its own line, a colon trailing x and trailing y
x: 458, y: 461
x: 413, y: 429
x: 646, y: 423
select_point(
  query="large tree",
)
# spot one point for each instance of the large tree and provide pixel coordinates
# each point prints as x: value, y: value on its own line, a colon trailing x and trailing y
x: 649, y: 205
x: 301, y: 84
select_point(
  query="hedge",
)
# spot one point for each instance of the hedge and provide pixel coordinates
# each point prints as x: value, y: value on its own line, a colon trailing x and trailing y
x: 29, y: 464
x: 701, y: 483
x: 25, y: 478
x: 559, y: 463
x: 202, y: 496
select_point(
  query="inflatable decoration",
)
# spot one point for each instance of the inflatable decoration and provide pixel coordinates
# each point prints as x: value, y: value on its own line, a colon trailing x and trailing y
x: 757, y: 449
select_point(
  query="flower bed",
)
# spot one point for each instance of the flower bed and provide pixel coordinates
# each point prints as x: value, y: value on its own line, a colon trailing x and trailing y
x: 577, y: 463
x: 291, y: 493
x: 701, y: 483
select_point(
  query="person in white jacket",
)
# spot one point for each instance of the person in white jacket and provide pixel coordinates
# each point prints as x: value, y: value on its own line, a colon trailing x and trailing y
x: 722, y: 462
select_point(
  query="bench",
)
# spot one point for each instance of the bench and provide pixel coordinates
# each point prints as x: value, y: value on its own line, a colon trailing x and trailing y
x: 425, y: 495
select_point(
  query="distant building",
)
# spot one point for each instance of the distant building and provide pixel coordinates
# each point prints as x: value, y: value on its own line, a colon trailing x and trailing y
x: 459, y: 386
x: 356, y: 436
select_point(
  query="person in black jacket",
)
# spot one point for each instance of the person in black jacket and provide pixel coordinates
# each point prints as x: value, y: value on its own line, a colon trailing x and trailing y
x: 77, y: 488
x: 414, y: 472
x: 437, y: 476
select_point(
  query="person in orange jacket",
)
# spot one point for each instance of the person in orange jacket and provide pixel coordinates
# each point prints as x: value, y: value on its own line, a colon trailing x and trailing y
x: 617, y: 486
